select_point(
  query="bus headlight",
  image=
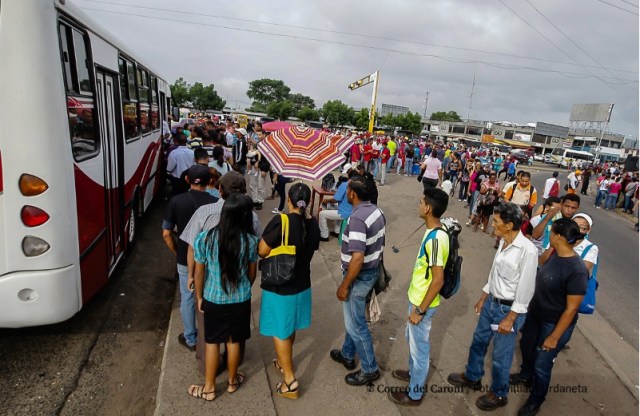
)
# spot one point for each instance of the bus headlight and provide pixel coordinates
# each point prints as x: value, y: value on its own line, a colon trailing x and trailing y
x: 34, y: 246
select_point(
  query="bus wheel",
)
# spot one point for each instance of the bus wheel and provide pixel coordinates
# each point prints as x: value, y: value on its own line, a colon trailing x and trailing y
x: 134, y: 216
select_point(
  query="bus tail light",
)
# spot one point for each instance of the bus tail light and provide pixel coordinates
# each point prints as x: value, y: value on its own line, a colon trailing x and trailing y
x: 32, y: 216
x: 31, y: 185
x: 34, y: 246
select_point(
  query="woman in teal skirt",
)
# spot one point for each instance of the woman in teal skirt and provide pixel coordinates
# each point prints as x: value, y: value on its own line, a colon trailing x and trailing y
x: 286, y: 309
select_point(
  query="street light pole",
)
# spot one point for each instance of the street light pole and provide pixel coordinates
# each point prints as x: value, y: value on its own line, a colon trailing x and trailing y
x: 365, y: 81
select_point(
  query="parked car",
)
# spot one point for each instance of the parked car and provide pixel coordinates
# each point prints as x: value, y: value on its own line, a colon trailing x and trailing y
x: 539, y: 157
x: 547, y: 158
x: 521, y: 157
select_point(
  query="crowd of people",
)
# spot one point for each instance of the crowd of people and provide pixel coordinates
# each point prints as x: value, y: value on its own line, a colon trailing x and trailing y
x: 535, y: 286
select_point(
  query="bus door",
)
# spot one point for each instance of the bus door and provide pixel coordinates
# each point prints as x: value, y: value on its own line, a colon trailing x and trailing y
x: 107, y: 88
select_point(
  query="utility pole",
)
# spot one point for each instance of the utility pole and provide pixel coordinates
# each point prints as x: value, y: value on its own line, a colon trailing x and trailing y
x: 603, y: 127
x: 426, y: 102
x: 473, y: 85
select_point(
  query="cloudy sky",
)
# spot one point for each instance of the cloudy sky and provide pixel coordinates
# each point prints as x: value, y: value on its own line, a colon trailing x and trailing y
x: 531, y: 59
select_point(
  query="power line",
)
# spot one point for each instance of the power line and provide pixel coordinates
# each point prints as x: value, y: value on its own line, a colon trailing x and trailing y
x: 630, y: 4
x: 401, y: 52
x: 608, y: 84
x: 182, y: 12
x: 571, y: 40
x: 618, y: 7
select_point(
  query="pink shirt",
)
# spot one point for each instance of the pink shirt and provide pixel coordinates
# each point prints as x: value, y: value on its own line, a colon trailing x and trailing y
x: 614, y: 188
x: 432, y: 165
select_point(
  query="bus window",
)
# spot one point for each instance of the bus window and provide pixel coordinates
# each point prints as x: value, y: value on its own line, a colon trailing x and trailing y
x: 155, y: 114
x: 129, y: 100
x: 82, y: 63
x: 143, y: 94
x: 84, y: 140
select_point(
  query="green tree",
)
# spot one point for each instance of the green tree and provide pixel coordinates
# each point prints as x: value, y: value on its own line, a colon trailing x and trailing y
x: 388, y: 120
x: 410, y: 121
x: 180, y: 92
x: 445, y: 116
x: 308, y: 114
x: 300, y: 101
x: 280, y: 109
x: 361, y: 119
x: 337, y: 113
x: 266, y: 91
x: 205, y: 98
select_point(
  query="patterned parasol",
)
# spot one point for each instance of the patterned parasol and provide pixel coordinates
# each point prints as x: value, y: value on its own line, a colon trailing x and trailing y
x: 304, y: 153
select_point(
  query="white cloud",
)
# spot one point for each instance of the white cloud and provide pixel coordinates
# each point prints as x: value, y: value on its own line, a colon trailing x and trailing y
x: 322, y: 69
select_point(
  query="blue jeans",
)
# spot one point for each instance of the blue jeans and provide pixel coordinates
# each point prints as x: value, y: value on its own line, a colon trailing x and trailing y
x: 408, y: 166
x: 187, y: 307
x: 419, y: 349
x: 358, y: 338
x: 602, y: 196
x: 390, y: 162
x: 376, y: 166
x: 503, y: 347
x: 611, y: 201
x: 628, y: 203
x: 537, y: 364
x: 373, y: 167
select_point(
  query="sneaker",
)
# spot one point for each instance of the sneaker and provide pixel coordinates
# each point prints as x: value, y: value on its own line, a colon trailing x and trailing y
x: 258, y: 206
x: 276, y: 211
x: 490, y: 401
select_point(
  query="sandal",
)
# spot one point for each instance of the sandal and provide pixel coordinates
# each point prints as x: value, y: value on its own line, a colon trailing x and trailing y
x: 233, y: 387
x: 276, y: 364
x: 198, y: 392
x: 290, y: 393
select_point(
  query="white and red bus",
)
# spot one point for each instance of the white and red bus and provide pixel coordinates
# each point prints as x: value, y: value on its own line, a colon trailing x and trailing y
x: 80, y: 150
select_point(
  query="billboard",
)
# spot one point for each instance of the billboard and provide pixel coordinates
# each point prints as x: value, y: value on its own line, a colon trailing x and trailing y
x: 596, y: 113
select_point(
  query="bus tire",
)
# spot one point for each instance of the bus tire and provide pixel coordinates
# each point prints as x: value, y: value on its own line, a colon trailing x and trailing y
x: 134, y: 222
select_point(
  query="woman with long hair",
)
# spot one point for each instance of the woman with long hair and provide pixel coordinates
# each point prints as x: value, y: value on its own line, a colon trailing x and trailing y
x: 225, y: 259
x: 218, y: 162
x: 561, y: 284
x: 286, y: 308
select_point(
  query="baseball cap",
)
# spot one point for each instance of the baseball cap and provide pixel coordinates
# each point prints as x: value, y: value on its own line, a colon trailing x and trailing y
x: 242, y: 131
x: 347, y: 168
x: 198, y: 175
x: 587, y: 217
x: 233, y: 182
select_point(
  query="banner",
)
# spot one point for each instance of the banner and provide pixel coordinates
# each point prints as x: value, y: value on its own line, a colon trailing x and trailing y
x: 522, y: 137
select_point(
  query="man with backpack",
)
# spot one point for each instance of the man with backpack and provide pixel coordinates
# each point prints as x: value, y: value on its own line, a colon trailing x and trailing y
x: 522, y: 192
x: 551, y: 187
x: 426, y: 281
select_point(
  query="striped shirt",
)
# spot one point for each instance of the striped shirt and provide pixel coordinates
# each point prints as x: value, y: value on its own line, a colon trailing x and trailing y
x: 364, y: 234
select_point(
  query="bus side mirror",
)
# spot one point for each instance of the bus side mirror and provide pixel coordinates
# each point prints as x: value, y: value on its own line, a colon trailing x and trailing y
x: 175, y: 113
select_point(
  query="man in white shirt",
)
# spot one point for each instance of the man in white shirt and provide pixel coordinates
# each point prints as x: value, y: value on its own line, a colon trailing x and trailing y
x: 548, y: 186
x: 502, y: 308
x: 603, y: 190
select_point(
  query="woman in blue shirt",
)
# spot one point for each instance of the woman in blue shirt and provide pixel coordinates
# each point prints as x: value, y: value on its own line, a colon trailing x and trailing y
x: 224, y: 274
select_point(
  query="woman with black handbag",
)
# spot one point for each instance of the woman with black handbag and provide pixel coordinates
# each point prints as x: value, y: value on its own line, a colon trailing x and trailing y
x: 286, y: 290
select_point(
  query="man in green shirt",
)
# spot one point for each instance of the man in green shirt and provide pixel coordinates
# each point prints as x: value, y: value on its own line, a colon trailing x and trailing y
x: 424, y: 297
x: 392, y: 145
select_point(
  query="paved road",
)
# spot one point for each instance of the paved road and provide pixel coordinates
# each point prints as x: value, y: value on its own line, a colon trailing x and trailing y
x: 617, y: 299
x: 106, y: 359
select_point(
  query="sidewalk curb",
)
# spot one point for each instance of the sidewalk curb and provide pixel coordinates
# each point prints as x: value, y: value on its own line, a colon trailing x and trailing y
x: 165, y: 354
x: 599, y: 333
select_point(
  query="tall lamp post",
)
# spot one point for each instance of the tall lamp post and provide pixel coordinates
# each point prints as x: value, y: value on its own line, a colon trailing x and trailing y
x: 361, y: 83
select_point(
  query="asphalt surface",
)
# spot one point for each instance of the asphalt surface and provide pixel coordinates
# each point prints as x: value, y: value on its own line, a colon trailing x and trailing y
x: 106, y: 359
x: 617, y: 296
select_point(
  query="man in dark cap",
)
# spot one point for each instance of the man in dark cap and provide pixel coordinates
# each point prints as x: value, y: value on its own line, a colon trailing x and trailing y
x: 179, y: 211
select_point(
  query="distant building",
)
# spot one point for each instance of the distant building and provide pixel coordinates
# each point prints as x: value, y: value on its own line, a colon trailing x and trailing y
x: 395, y: 110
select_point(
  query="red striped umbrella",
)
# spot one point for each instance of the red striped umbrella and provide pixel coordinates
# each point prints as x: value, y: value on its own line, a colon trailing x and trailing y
x: 304, y: 153
x: 275, y: 125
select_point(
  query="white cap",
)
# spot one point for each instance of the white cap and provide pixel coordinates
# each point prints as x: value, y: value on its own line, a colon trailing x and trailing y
x: 242, y: 131
x: 587, y: 217
x: 346, y: 168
